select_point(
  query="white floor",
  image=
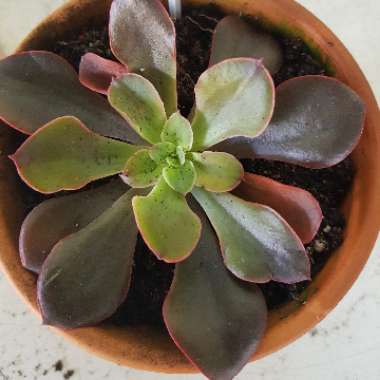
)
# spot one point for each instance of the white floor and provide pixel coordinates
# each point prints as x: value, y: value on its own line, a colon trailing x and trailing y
x: 345, y: 346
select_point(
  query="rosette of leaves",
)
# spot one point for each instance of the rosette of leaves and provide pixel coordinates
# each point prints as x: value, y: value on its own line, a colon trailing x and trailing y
x: 177, y: 177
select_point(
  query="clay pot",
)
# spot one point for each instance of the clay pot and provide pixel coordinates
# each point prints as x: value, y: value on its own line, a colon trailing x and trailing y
x: 151, y: 349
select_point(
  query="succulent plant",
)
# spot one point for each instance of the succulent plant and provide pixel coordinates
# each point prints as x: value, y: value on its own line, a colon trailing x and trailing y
x: 182, y: 186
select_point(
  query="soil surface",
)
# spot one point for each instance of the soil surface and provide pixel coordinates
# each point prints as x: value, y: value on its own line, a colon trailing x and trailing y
x: 152, y: 278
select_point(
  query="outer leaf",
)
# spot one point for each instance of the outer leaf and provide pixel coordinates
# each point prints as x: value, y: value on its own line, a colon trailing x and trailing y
x: 140, y: 104
x: 65, y: 155
x: 57, y: 218
x: 216, y: 320
x: 141, y: 171
x: 97, y: 73
x: 217, y: 172
x: 235, y: 38
x: 167, y: 224
x: 87, y: 275
x: 142, y: 36
x: 181, y: 178
x: 298, y: 207
x: 317, y: 123
x: 178, y: 131
x: 257, y: 244
x: 233, y: 98
x: 38, y: 86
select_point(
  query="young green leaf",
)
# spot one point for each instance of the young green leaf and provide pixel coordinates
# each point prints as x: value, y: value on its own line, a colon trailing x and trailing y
x: 257, y: 244
x: 167, y: 224
x: 38, y: 86
x: 142, y: 36
x: 140, y: 104
x: 181, y: 178
x: 141, y: 171
x: 65, y: 155
x: 217, y: 172
x: 97, y: 73
x: 234, y: 38
x: 178, y: 131
x: 161, y: 151
x: 298, y: 207
x: 216, y: 320
x: 56, y: 218
x: 87, y: 275
x: 233, y: 98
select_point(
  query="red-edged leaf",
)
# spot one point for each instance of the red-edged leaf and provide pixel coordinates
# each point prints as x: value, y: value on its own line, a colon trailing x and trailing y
x: 57, y: 218
x: 216, y: 320
x: 97, y: 73
x: 38, y: 86
x: 87, y: 275
x: 298, y: 207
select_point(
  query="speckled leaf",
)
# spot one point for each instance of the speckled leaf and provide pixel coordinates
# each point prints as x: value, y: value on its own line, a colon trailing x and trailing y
x: 141, y: 171
x: 161, y: 151
x: 217, y: 172
x: 181, y: 178
x: 178, y: 131
x: 298, y: 207
x: 234, y: 38
x: 216, y: 320
x: 38, y: 86
x: 142, y: 36
x: 65, y: 155
x: 317, y: 123
x: 57, y: 218
x: 233, y: 98
x: 87, y: 275
x: 140, y: 104
x: 97, y: 73
x: 167, y: 224
x: 257, y: 244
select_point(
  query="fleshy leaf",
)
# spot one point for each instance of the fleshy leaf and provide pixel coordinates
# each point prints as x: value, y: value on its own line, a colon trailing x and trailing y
x: 167, y: 224
x: 65, y: 155
x: 141, y: 171
x: 97, y: 73
x: 142, y: 36
x: 216, y: 320
x: 234, y: 38
x: 317, y: 123
x: 87, y: 275
x: 257, y: 244
x: 178, y: 131
x: 217, y: 172
x: 38, y: 86
x: 161, y: 151
x: 233, y: 98
x: 181, y: 178
x: 298, y: 207
x: 57, y: 218
x: 140, y: 104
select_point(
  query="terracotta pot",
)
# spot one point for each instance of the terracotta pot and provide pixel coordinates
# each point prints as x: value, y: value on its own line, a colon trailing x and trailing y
x: 151, y: 349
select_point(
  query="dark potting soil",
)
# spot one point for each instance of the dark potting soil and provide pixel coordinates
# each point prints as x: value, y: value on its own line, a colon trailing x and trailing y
x: 152, y: 278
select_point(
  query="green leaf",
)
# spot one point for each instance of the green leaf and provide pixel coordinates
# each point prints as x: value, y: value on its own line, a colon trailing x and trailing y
x: 178, y: 131
x: 235, y: 38
x: 233, y: 98
x: 181, y: 178
x: 215, y: 319
x: 65, y: 155
x: 87, y: 275
x: 142, y: 36
x: 257, y: 244
x: 161, y: 151
x: 141, y: 171
x: 140, y: 104
x: 59, y: 217
x: 217, y: 172
x: 38, y: 86
x: 167, y: 224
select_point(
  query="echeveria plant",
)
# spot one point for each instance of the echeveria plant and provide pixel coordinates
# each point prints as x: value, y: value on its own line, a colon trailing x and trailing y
x: 177, y: 177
